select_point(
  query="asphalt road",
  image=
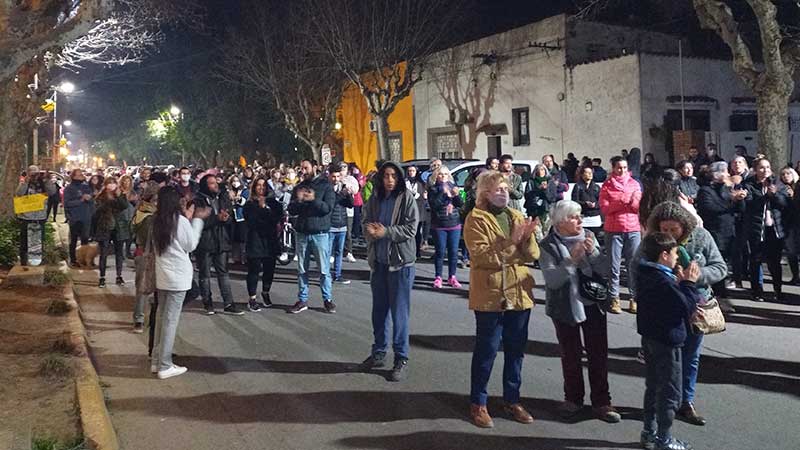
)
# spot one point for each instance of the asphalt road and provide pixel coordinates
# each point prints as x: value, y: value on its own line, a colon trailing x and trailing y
x: 272, y: 380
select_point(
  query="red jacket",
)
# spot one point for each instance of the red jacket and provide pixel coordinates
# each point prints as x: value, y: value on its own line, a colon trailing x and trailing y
x: 619, y: 203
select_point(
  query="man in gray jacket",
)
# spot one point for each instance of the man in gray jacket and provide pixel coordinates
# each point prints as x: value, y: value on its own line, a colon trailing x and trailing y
x: 35, y: 182
x: 390, y: 226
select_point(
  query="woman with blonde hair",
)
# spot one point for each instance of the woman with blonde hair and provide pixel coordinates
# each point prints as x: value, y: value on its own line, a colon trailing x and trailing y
x: 445, y: 201
x: 791, y: 219
x: 500, y: 241
x: 126, y: 187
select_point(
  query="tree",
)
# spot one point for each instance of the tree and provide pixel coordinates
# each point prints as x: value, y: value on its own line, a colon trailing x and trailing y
x: 772, y: 81
x: 381, y: 47
x: 272, y: 58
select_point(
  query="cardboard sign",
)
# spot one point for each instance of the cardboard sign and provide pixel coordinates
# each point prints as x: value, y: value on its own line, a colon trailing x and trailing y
x: 326, y: 154
x: 29, y: 203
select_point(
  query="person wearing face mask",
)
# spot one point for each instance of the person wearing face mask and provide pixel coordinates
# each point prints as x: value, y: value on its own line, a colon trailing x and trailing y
x: 500, y: 242
x: 108, y: 230
x: 186, y: 187
x: 78, y: 207
x: 238, y: 193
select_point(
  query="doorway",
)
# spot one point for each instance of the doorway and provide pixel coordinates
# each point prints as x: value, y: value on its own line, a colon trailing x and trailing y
x: 495, y: 146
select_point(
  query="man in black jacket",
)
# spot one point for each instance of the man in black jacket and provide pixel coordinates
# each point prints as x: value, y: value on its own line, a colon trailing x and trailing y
x: 338, y: 231
x: 312, y: 202
x: 215, y: 243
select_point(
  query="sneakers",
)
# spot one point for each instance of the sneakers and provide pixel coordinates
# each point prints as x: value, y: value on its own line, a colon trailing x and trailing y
x: 298, y: 308
x: 375, y: 361
x: 518, y: 413
x: 266, y: 302
x: 330, y: 307
x: 101, y: 283
x: 138, y: 328
x: 350, y: 258
x: 341, y: 280
x: 173, y: 371
x: 232, y: 310
x: 647, y: 440
x: 671, y: 444
x: 453, y: 282
x: 253, y: 305
x: 209, y: 310
x: 632, y: 306
x: 120, y: 281
x: 480, y: 416
x: 400, y: 370
x: 437, y: 283
x: 614, y: 307
x: 153, y: 369
x: 607, y: 414
x: 568, y: 410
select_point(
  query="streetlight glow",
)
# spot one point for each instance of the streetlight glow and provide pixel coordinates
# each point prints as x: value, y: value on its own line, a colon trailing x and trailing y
x: 67, y: 123
x: 174, y: 110
x: 112, y: 156
x: 66, y: 87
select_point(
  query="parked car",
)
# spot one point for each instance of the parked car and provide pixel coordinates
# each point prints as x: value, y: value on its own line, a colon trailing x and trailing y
x: 425, y: 164
x: 461, y: 172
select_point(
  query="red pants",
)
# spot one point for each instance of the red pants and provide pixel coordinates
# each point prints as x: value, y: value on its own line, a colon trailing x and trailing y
x: 595, y: 340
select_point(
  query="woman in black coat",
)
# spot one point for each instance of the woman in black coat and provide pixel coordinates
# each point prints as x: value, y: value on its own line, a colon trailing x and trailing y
x: 587, y: 194
x: 766, y: 204
x: 263, y: 213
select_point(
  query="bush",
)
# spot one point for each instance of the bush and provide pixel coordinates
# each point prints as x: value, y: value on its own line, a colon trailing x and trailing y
x: 55, y: 277
x: 9, y: 242
x: 48, y: 443
x: 55, y: 367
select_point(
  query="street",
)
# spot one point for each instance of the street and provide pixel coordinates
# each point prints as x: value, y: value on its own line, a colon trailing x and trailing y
x: 272, y: 380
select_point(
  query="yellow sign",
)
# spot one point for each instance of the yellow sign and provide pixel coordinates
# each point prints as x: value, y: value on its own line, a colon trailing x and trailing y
x: 49, y: 105
x: 29, y: 203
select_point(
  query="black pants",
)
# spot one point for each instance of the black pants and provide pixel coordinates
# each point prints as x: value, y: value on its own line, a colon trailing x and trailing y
x: 421, y: 233
x: 725, y: 245
x: 740, y: 255
x: 766, y: 251
x: 52, y: 205
x: 256, y: 267
x: 23, y: 239
x: 77, y: 230
x: 105, y: 248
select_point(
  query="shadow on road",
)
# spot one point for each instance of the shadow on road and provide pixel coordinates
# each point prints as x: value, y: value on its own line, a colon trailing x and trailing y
x: 747, y: 315
x: 439, y: 440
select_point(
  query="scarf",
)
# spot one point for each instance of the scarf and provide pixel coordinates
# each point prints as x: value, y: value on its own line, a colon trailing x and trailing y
x: 539, y: 180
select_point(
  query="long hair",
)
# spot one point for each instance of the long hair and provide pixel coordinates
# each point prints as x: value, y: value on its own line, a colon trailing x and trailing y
x: 101, y: 194
x: 268, y: 191
x: 377, y: 180
x: 658, y: 188
x: 165, y: 220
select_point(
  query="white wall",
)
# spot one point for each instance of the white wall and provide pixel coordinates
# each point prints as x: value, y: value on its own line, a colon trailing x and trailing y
x: 524, y: 77
x: 614, y: 121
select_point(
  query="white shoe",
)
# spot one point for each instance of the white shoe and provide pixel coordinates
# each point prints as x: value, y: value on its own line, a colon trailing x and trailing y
x: 332, y: 259
x: 295, y: 258
x: 153, y: 368
x: 350, y: 257
x: 173, y: 371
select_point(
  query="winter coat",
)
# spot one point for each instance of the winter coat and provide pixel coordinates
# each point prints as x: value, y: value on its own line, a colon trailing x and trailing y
x: 444, y: 209
x: 619, y: 203
x: 689, y: 187
x: 538, y: 200
x: 216, y: 236
x: 46, y: 187
x: 315, y: 216
x: 189, y: 191
x: 75, y: 208
x: 516, y: 191
x: 718, y: 210
x: 417, y: 188
x: 401, y: 233
x: 109, y: 217
x: 339, y: 214
x: 664, y: 306
x: 173, y: 266
x: 583, y: 194
x: 262, y: 228
x: 498, y: 271
x: 141, y: 223
x: 755, y: 204
x: 599, y: 174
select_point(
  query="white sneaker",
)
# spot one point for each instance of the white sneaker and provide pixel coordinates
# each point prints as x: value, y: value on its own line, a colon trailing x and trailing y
x: 153, y: 368
x: 350, y: 257
x: 295, y: 258
x: 173, y: 371
x: 332, y: 259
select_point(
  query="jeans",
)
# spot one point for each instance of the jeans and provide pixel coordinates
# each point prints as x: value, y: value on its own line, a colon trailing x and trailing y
x: 662, y: 394
x: 595, y: 339
x: 23, y: 239
x: 220, y: 262
x: 348, y: 243
x: 391, y: 294
x: 690, y: 355
x: 105, y: 249
x: 319, y: 244
x: 77, y: 230
x: 255, y: 266
x: 619, y: 245
x: 768, y: 251
x: 337, y: 240
x: 446, y: 239
x: 490, y: 328
x: 169, y: 313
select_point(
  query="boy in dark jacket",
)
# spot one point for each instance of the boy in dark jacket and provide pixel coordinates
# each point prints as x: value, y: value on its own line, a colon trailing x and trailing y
x: 666, y: 302
x: 338, y: 231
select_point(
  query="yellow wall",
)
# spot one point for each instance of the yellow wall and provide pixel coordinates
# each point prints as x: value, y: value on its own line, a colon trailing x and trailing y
x: 360, y: 145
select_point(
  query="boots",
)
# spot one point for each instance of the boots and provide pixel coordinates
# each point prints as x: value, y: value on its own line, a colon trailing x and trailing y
x: 614, y: 307
x: 632, y: 306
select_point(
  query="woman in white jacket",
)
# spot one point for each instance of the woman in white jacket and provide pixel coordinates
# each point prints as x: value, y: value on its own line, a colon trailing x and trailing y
x: 174, y: 237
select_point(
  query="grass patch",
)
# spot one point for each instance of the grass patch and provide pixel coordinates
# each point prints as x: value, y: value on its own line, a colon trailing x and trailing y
x: 58, y: 307
x: 54, y: 255
x: 65, y: 345
x: 48, y: 443
x: 55, y: 277
x: 55, y: 367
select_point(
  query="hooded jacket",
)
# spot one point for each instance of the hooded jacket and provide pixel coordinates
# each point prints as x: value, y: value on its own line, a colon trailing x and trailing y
x: 216, y: 235
x: 315, y: 216
x: 619, y: 203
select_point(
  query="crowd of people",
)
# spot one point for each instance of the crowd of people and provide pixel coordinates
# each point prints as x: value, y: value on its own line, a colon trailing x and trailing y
x: 680, y: 236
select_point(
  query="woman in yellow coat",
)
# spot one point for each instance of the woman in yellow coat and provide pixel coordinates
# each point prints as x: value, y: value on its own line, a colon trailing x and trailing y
x: 500, y: 242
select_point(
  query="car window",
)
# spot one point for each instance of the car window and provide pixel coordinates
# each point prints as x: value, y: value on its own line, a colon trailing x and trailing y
x: 460, y: 176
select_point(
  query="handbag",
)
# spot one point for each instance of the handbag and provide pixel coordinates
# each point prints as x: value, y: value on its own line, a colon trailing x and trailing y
x: 593, y: 287
x: 712, y: 321
x: 146, y: 269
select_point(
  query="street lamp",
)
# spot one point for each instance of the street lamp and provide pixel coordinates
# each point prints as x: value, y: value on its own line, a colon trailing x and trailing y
x: 175, y: 111
x: 112, y: 156
x: 67, y: 123
x: 66, y: 87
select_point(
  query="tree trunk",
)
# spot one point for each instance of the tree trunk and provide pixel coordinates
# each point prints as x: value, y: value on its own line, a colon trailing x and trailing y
x: 382, y: 134
x: 13, y: 135
x: 773, y: 121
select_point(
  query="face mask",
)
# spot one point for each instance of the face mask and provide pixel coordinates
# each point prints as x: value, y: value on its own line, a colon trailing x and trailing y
x: 499, y: 200
x: 236, y: 184
x: 185, y: 177
x: 111, y: 187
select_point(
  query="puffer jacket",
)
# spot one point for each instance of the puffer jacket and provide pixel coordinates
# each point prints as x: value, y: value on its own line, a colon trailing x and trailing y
x: 216, y: 236
x: 583, y: 194
x: 339, y: 214
x: 619, y: 203
x: 756, y: 202
x: 444, y: 209
x: 108, y: 217
x: 689, y: 187
x: 315, y: 216
x: 491, y: 263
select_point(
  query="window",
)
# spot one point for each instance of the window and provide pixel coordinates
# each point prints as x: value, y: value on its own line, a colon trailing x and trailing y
x: 396, y: 146
x: 696, y: 119
x: 522, y: 132
x: 446, y: 145
x: 744, y: 121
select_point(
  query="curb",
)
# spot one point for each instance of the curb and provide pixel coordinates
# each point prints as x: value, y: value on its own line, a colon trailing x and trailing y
x: 98, y: 431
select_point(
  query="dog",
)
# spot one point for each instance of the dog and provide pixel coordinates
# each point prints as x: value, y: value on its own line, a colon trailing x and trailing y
x: 85, y: 255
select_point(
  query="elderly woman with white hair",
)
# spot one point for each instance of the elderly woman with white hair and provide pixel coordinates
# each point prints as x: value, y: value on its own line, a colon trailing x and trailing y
x: 718, y: 204
x: 568, y: 254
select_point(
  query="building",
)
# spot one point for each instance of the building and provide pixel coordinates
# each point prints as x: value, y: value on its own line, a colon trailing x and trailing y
x: 559, y: 86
